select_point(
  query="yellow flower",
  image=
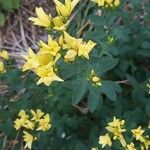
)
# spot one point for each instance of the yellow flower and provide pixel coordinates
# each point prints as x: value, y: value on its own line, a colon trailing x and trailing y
x: 21, y: 122
x: 23, y: 115
x: 71, y: 42
x: 43, y: 62
x: 130, y: 146
x: 18, y: 123
x: 44, y: 124
x: 51, y: 48
x: 117, y: 134
x: 116, y: 128
x: 85, y: 49
x: 117, y: 123
x: 95, y: 79
x: 37, y: 115
x: 2, y: 68
x: 64, y: 10
x: 105, y: 140
x: 107, y: 3
x: 59, y: 24
x: 61, y: 40
x: 28, y: 139
x: 70, y: 55
x: 42, y: 18
x: 110, y: 39
x: 76, y: 47
x: 47, y: 75
x: 116, y: 3
x: 29, y: 124
x: 137, y: 133
x: 4, y: 54
x: 32, y: 61
x: 44, y: 59
x: 146, y: 143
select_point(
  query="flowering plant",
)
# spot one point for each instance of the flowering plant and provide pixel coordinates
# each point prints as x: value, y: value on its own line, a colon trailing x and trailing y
x: 93, y: 66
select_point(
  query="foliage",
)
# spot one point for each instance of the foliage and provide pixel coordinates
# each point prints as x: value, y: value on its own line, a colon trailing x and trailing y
x: 78, y: 107
x: 7, y: 6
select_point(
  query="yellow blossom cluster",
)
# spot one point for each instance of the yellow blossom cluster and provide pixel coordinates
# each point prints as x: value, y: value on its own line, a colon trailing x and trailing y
x: 38, y: 122
x: 3, y: 55
x: 148, y: 86
x: 116, y: 128
x: 44, y: 62
x: 138, y: 134
x: 60, y: 21
x: 107, y: 3
x: 76, y: 47
x: 110, y: 40
x: 115, y: 132
x: 95, y: 79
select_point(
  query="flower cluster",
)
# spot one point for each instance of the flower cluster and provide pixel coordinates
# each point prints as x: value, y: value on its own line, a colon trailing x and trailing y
x: 60, y: 21
x: 65, y: 46
x: 148, y: 86
x: 115, y: 132
x: 95, y: 79
x: 110, y: 40
x: 138, y: 135
x: 76, y: 47
x: 116, y: 128
x: 3, y: 55
x: 107, y: 3
x: 38, y: 122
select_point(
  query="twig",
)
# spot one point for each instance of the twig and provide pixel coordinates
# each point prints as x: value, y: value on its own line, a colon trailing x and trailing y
x: 8, y: 48
x: 75, y: 13
x: 23, y: 33
x: 82, y: 28
x: 32, y: 41
x: 33, y: 31
x: 123, y: 82
x: 82, y: 109
x: 30, y: 12
x: 13, y: 145
x: 4, y: 142
x: 14, y: 38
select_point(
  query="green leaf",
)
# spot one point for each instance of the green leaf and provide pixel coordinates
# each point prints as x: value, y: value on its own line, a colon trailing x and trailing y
x: 97, y: 20
x: 145, y: 45
x: 79, y: 92
x: 9, y: 5
x: 67, y: 71
x: 80, y: 146
x: 109, y: 88
x: 2, y: 19
x: 94, y: 99
x: 131, y: 79
x: 106, y: 64
x: 147, y: 109
x: 121, y: 33
x: 144, y: 52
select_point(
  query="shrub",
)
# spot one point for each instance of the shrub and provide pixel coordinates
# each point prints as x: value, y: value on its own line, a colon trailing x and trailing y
x: 94, y: 66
